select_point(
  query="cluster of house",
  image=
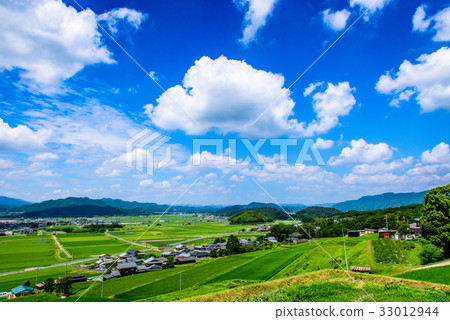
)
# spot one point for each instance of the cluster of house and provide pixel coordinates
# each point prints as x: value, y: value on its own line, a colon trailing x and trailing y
x: 414, y: 232
x: 27, y: 290
x: 262, y: 228
x: 133, y: 261
x: 30, y: 226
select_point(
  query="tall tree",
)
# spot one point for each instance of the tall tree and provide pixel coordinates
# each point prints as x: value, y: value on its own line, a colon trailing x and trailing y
x: 233, y: 245
x: 435, y: 222
x: 49, y: 285
x: 64, y: 285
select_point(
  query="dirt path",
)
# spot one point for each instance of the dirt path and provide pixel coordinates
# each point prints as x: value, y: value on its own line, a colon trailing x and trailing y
x: 61, y: 247
x: 440, y: 264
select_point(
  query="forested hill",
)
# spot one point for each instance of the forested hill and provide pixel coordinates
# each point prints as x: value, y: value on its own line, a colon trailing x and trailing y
x: 259, y: 205
x: 249, y: 216
x: 11, y: 202
x: 68, y: 202
x: 75, y: 212
x: 270, y: 212
x: 382, y: 201
x: 315, y: 211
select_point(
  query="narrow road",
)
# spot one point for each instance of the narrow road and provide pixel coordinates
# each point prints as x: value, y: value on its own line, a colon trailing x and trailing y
x: 440, y: 264
x: 61, y: 247
x: 127, y: 241
x: 42, y: 267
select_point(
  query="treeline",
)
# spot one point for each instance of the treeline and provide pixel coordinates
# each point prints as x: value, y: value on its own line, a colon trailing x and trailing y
x: 320, y: 227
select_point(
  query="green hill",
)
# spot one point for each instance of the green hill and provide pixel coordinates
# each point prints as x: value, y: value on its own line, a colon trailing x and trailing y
x: 314, y: 212
x: 11, y: 202
x: 59, y: 203
x: 249, y: 216
x: 259, y: 205
x: 382, y: 201
x: 75, y: 212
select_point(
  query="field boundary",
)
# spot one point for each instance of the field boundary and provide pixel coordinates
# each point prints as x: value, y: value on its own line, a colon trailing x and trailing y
x: 61, y: 247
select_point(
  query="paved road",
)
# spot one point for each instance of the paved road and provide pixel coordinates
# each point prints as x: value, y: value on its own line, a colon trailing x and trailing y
x: 128, y: 241
x: 42, y: 267
x: 61, y: 247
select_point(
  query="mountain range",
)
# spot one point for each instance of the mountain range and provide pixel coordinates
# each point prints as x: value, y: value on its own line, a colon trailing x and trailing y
x: 17, y: 207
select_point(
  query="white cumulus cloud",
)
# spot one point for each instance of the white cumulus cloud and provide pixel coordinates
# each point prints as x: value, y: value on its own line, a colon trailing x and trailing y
x: 362, y: 152
x: 429, y: 78
x: 439, y: 23
x: 336, y: 101
x: 256, y: 16
x: 113, y: 17
x: 335, y: 20
x: 372, y: 4
x: 324, y: 144
x: 229, y: 95
x: 439, y: 154
x: 48, y: 41
x: 22, y: 138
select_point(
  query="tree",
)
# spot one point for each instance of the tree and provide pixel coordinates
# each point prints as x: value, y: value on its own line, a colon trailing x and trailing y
x: 233, y: 245
x: 402, y: 227
x: 213, y: 254
x: 27, y: 283
x: 222, y: 252
x: 49, y: 285
x: 64, y: 285
x: 170, y: 262
x: 430, y: 253
x: 435, y: 221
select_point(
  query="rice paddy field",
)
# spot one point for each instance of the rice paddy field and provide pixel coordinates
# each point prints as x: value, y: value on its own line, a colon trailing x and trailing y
x: 85, y: 245
x: 23, y: 251
x: 210, y: 279
x: 435, y: 275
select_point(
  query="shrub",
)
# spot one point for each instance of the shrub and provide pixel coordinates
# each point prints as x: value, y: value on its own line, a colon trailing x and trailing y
x: 430, y: 253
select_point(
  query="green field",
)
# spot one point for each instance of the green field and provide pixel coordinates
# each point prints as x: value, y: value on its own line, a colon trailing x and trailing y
x: 23, y: 251
x: 435, y: 275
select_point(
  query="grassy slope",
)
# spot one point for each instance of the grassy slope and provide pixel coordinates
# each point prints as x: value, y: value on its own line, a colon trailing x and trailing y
x: 334, y: 285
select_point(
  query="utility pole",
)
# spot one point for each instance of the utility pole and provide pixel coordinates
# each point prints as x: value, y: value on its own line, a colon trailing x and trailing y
x: 101, y: 296
x: 180, y: 279
x: 66, y: 267
x: 345, y: 250
x: 37, y: 274
x: 387, y: 227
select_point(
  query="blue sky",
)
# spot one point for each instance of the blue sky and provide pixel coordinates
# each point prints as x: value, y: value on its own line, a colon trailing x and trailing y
x: 74, y: 89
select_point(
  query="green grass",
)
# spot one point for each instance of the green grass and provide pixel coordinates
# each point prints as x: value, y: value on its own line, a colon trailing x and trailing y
x: 435, y: 275
x: 22, y: 251
x: 338, y: 292
x: 262, y: 268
